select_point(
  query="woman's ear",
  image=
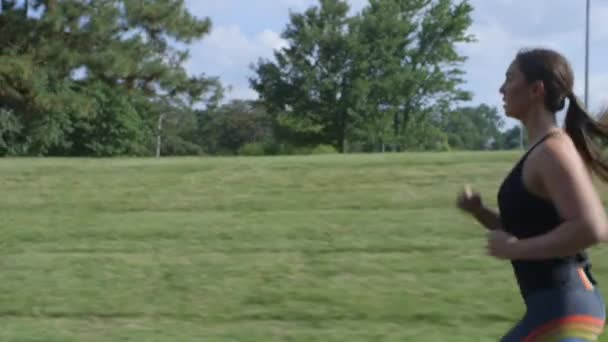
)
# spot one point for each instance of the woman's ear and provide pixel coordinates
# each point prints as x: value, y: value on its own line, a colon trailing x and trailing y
x: 538, y: 89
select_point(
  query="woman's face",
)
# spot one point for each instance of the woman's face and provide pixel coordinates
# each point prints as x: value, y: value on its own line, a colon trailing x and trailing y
x: 516, y: 93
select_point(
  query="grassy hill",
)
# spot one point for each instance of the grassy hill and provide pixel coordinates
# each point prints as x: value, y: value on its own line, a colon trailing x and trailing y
x: 316, y: 248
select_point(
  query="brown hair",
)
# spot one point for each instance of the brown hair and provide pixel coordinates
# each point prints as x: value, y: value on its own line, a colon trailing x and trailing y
x: 555, y: 72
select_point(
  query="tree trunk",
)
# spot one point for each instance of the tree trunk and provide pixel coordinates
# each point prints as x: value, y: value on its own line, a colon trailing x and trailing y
x: 342, y: 133
x: 51, y: 5
x: 158, y: 134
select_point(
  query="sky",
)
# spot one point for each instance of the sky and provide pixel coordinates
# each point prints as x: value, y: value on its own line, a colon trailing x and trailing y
x: 244, y: 31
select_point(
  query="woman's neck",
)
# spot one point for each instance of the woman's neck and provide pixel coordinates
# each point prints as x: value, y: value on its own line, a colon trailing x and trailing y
x: 539, y: 124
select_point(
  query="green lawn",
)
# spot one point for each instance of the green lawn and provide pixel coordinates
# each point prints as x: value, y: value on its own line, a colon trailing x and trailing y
x: 319, y: 248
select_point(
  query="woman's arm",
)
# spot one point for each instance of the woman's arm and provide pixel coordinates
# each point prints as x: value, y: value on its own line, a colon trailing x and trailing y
x: 471, y: 202
x: 488, y: 218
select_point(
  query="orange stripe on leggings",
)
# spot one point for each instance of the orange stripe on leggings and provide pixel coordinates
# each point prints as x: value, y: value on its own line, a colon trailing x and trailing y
x: 590, y: 320
x: 584, y: 279
x: 576, y: 331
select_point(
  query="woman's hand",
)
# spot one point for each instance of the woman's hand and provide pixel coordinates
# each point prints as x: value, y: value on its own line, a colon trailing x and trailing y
x: 469, y: 201
x: 502, y: 245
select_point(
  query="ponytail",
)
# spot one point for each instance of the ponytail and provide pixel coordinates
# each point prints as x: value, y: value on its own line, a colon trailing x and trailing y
x: 585, y: 132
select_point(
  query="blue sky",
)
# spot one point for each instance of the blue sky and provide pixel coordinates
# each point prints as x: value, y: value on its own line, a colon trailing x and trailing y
x: 245, y: 30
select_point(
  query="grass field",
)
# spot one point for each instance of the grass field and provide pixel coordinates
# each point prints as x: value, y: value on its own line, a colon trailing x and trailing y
x: 320, y: 248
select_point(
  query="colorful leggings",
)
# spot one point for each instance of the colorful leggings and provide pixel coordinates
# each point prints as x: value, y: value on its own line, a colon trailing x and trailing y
x: 575, y: 313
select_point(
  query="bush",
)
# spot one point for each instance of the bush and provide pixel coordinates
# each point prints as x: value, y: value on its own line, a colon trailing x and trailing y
x: 324, y: 149
x: 275, y: 148
x: 253, y: 149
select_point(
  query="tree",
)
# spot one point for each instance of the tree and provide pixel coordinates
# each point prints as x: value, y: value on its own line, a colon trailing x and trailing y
x: 474, y: 128
x: 511, y: 138
x: 57, y: 64
x: 115, y: 128
x: 311, y: 79
x: 410, y: 66
x: 10, y: 126
x: 178, y: 134
x: 366, y: 76
x: 228, y: 128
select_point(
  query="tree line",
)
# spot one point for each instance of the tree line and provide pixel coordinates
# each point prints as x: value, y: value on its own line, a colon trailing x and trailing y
x: 107, y: 78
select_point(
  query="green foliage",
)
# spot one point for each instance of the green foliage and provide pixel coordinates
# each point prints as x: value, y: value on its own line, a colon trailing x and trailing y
x: 107, y: 78
x: 512, y: 138
x: 79, y: 75
x: 10, y: 129
x: 275, y: 148
x: 324, y: 149
x: 423, y: 134
x: 228, y: 128
x: 114, y: 129
x: 175, y: 145
x: 474, y: 128
x: 362, y: 78
x: 253, y: 149
x: 311, y: 79
x: 180, y: 134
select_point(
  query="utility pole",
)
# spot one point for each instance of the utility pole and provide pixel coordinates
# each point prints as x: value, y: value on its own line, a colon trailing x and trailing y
x: 587, y: 56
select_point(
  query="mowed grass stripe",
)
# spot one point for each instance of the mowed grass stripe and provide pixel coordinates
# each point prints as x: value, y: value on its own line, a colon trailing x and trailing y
x: 317, y: 248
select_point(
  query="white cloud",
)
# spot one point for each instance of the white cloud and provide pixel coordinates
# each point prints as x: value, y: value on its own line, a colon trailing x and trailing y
x: 297, y: 5
x: 301, y: 5
x: 242, y: 93
x: 598, y: 92
x: 199, y: 8
x: 228, y: 52
x: 502, y: 27
x: 225, y: 47
x: 597, y: 20
x: 271, y: 40
x: 357, y: 5
x: 488, y: 59
x: 228, y: 48
x: 231, y: 47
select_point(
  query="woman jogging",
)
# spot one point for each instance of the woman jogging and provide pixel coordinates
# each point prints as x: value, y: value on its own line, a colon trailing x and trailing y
x: 549, y: 212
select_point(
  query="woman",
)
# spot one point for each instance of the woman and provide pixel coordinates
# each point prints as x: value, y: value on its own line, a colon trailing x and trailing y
x: 549, y: 210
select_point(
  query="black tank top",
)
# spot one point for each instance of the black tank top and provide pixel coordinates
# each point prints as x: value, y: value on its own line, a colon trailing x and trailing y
x: 524, y: 214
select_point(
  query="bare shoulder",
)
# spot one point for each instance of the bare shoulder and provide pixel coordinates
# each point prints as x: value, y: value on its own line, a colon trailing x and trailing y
x: 567, y: 183
x: 559, y: 154
x: 555, y: 163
